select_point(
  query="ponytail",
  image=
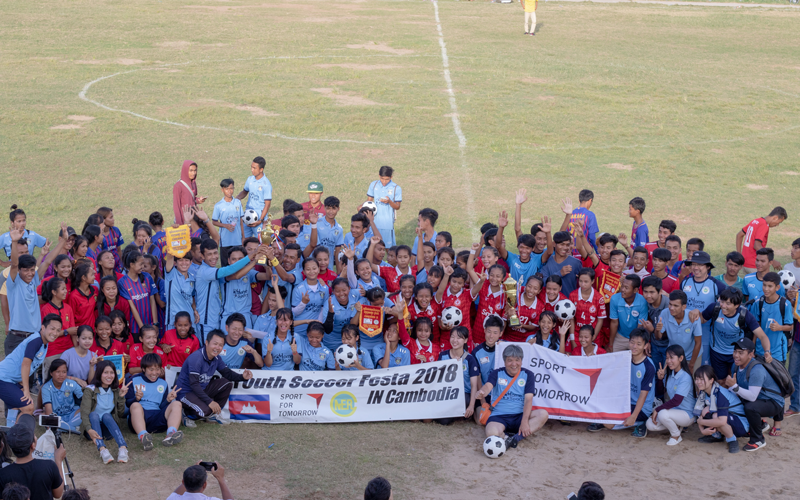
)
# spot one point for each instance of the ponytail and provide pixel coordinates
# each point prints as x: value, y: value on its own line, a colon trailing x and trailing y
x: 49, y: 287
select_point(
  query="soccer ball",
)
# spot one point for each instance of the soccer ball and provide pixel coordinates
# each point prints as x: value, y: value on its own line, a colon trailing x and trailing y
x: 564, y: 309
x: 370, y: 205
x: 494, y: 447
x: 345, y: 355
x: 452, y: 317
x: 250, y: 216
x: 787, y: 279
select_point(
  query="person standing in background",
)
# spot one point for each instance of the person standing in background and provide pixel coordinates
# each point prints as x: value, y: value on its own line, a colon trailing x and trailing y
x: 184, y: 192
x: 387, y: 196
x: 258, y: 190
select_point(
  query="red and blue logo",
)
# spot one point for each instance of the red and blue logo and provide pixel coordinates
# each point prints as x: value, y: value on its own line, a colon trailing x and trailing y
x: 244, y: 407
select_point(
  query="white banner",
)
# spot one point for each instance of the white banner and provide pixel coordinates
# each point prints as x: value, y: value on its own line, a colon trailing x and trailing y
x: 429, y: 390
x: 579, y: 388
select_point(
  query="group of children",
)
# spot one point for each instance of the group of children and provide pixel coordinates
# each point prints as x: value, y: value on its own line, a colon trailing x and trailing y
x: 289, y: 291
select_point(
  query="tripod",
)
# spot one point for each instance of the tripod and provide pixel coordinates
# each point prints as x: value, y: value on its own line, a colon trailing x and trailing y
x: 65, y: 468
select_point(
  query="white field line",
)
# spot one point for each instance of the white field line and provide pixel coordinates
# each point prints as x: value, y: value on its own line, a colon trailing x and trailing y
x: 462, y: 140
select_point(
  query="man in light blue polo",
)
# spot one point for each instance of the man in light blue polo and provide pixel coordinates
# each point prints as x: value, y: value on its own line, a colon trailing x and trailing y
x: 677, y: 328
x: 387, y: 196
x: 258, y: 190
x: 625, y: 310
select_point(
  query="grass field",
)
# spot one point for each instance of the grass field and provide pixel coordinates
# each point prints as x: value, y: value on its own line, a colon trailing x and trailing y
x: 695, y: 109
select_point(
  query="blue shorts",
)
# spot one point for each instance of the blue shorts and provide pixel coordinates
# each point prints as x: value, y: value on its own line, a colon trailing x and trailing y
x: 11, y: 394
x: 735, y: 421
x: 721, y: 363
x: 511, y: 422
x: 155, y: 421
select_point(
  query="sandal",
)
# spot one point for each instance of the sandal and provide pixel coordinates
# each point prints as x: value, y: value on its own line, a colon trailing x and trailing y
x: 775, y: 432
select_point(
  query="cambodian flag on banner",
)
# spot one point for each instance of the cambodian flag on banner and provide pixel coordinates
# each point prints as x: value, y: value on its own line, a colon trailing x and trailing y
x: 246, y: 407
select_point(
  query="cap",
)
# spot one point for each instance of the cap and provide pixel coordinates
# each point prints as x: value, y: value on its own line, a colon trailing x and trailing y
x: 70, y: 232
x: 744, y: 344
x: 314, y: 187
x: 21, y: 436
x: 700, y: 258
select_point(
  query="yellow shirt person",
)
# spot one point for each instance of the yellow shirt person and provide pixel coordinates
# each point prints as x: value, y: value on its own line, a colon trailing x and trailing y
x: 529, y: 6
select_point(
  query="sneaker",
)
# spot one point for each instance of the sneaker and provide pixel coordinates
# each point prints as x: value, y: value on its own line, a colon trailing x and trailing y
x: 147, y: 442
x: 733, y: 447
x: 216, y: 419
x: 790, y: 413
x: 657, y: 402
x: 710, y: 439
x: 596, y: 427
x: 105, y: 456
x: 639, y: 431
x: 174, y: 438
x: 122, y: 457
x: 672, y: 441
x: 754, y: 446
x: 513, y: 441
x: 188, y: 422
x: 764, y: 426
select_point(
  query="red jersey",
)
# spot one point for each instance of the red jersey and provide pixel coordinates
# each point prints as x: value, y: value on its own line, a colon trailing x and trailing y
x: 587, y: 312
x: 137, y: 353
x: 66, y: 282
x: 756, y: 230
x: 528, y: 315
x: 601, y: 266
x: 116, y: 347
x: 83, y: 306
x: 128, y: 344
x: 490, y: 304
x: 121, y: 306
x: 307, y: 209
x: 578, y: 351
x: 255, y: 292
x: 432, y: 312
x: 650, y: 247
x: 431, y: 351
x: 551, y: 306
x: 463, y: 301
x: 669, y: 283
x: 392, y: 276
x: 63, y: 342
x: 181, y: 348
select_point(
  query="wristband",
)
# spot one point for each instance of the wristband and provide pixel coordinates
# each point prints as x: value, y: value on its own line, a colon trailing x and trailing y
x: 472, y: 252
x: 275, y: 262
x: 313, y: 226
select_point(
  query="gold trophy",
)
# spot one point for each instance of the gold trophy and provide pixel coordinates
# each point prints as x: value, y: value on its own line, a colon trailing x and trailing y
x: 510, y: 289
x: 268, y: 234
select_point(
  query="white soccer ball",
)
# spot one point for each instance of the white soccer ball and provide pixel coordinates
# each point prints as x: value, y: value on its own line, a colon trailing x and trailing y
x: 564, y: 309
x: 787, y: 279
x: 345, y: 355
x: 250, y: 216
x: 370, y: 205
x: 494, y: 447
x: 452, y: 317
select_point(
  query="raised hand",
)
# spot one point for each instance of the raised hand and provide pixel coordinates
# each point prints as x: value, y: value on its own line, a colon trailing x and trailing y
x: 623, y: 239
x: 448, y: 271
x: 661, y: 372
x: 274, y: 280
x: 139, y: 393
x: 294, y: 346
x: 166, y: 348
x: 349, y: 251
x: 247, y: 374
x: 566, y: 206
x: 313, y: 217
x: 16, y: 235
x: 547, y: 224
x: 123, y: 389
x: 201, y: 214
x: 270, y: 345
x: 173, y: 394
x: 522, y: 196
x: 187, y: 214
x: 361, y: 291
x: 660, y: 325
x: 330, y: 304
x: 476, y: 247
x: 305, y: 298
x: 502, y: 220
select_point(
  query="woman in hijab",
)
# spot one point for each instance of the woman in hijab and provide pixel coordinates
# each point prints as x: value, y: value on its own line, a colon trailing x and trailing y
x: 185, y: 191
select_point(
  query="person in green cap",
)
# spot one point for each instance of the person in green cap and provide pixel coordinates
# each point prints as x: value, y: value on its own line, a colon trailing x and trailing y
x: 314, y: 202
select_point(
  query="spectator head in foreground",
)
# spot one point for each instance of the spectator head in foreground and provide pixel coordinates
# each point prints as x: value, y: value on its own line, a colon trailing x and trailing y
x: 378, y: 489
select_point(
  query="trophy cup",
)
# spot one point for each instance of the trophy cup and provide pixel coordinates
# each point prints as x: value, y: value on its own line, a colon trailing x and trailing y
x: 267, y: 234
x: 510, y: 289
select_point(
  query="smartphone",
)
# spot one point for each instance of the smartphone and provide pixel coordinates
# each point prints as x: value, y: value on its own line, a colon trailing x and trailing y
x: 209, y: 466
x: 572, y: 496
x: 49, y: 420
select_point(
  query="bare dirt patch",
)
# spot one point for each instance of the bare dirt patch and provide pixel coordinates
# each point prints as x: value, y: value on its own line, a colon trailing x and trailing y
x: 789, y: 172
x: 619, y: 166
x: 546, y: 98
x: 347, y: 98
x: 258, y: 483
x: 757, y: 187
x: 381, y: 47
x: 66, y: 126
x: 365, y: 67
x: 255, y: 110
x: 217, y: 8
x: 124, y: 62
x: 80, y: 118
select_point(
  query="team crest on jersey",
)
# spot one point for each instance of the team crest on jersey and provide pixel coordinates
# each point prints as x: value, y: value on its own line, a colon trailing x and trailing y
x: 635, y: 314
x: 502, y: 381
x: 592, y: 309
x: 160, y: 389
x: 521, y: 383
x: 688, y: 330
x: 67, y: 394
x: 484, y: 360
x: 706, y: 289
x: 322, y: 356
x: 638, y: 374
x: 187, y: 350
x: 397, y: 360
x: 457, y: 302
x: 687, y: 288
x: 240, y: 352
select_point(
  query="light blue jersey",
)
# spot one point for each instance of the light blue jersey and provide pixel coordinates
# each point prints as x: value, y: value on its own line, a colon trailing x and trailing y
x: 23, y: 303
x: 628, y: 315
x: 330, y: 236
x: 682, y: 384
x: 65, y: 400
x: 237, y: 297
x: 385, y: 215
x: 469, y: 368
x: 229, y: 212
x: 259, y: 191
x: 314, y: 358
x: 699, y: 296
x: 209, y: 305
x: 179, y: 294
x: 265, y: 323
x: 766, y: 314
x: 513, y: 403
x: 282, y: 358
x: 342, y: 314
x: 726, y: 330
x: 399, y: 357
x: 233, y: 355
x: 684, y: 334
x: 643, y: 379
x: 316, y: 308
x: 365, y: 358
x: 153, y: 392
x: 34, y: 241
x: 32, y: 348
x: 521, y: 271
x: 416, y: 242
x: 753, y: 288
x: 360, y: 247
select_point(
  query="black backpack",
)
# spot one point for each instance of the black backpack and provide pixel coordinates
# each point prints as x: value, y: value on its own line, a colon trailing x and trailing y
x: 747, y: 332
x: 779, y: 374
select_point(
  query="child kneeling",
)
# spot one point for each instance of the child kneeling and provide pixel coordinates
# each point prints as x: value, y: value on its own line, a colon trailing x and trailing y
x: 154, y: 408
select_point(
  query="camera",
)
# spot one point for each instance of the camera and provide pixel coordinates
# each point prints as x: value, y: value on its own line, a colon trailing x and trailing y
x: 50, y: 421
x: 209, y: 466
